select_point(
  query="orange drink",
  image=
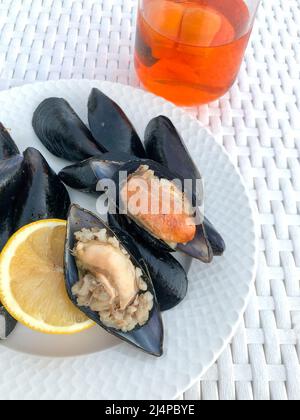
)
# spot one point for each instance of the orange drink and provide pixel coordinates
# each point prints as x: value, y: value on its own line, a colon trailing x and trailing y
x: 190, y: 51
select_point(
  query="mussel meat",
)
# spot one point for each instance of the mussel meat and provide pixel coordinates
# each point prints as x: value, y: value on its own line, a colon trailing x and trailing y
x: 165, y: 145
x: 41, y: 194
x: 110, y: 126
x: 165, y: 229
x: 105, y: 280
x: 10, y: 183
x: 81, y: 176
x: 168, y: 276
x: 8, y: 148
x: 7, y: 323
x: 62, y: 132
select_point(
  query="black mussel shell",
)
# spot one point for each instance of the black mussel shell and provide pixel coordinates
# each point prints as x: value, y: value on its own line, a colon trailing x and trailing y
x: 29, y: 191
x: 10, y: 185
x: 111, y: 127
x: 10, y: 181
x: 138, y: 231
x: 62, y: 132
x: 42, y: 195
x: 165, y: 145
x: 148, y: 338
x: 81, y: 176
x: 8, y: 148
x: 168, y: 276
x: 143, y: 50
x: 199, y: 248
x: 215, y: 239
x: 7, y: 323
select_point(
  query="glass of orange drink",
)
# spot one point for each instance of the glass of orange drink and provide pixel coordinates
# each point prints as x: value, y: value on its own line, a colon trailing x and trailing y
x: 190, y: 51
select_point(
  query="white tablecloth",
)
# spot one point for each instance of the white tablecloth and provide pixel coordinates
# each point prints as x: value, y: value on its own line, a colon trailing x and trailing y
x: 258, y: 122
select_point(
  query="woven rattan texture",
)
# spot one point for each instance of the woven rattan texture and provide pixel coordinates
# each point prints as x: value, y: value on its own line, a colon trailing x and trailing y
x: 258, y: 122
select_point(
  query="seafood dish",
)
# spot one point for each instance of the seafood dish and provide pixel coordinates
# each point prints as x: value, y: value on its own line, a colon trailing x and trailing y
x: 124, y: 273
x: 82, y: 177
x: 10, y: 181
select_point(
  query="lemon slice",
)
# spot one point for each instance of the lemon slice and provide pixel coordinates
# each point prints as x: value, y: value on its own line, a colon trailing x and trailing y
x: 32, y: 286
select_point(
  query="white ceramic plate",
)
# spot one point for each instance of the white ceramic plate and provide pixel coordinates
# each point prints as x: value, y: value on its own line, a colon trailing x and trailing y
x: 93, y: 365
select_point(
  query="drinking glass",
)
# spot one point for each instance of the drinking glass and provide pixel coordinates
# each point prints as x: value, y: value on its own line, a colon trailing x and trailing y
x: 190, y: 51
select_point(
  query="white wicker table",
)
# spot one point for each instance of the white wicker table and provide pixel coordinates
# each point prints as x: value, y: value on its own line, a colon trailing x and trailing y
x: 258, y: 122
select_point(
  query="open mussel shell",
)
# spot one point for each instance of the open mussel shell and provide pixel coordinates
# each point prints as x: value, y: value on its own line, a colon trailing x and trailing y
x: 8, y: 148
x: 199, y: 248
x: 7, y: 323
x: 149, y: 337
x: 62, y: 132
x: 111, y: 127
x: 10, y: 185
x: 81, y: 176
x: 41, y: 194
x: 165, y: 145
x: 168, y: 276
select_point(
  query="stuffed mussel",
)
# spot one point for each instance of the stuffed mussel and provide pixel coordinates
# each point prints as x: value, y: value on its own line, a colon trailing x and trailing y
x: 168, y: 228
x: 105, y: 280
x: 164, y: 145
x: 110, y: 126
x: 168, y: 276
x: 62, y: 132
